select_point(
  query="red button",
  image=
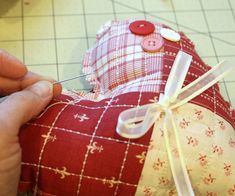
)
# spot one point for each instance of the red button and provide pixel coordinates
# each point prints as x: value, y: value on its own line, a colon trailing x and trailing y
x: 142, y: 27
x: 152, y: 44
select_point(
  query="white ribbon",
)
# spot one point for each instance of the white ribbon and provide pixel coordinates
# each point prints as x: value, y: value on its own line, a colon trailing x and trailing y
x: 135, y: 122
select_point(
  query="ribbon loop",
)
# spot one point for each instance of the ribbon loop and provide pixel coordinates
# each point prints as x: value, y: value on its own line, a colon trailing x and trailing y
x: 130, y: 123
x: 177, y: 75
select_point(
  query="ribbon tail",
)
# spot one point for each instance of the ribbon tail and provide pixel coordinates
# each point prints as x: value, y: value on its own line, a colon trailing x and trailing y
x: 177, y: 164
x: 204, y: 82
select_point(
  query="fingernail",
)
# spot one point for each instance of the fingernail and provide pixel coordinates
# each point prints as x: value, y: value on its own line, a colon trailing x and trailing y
x: 43, y: 89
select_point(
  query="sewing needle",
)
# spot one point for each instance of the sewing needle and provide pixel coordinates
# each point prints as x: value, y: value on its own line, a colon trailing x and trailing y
x: 73, y: 78
x: 58, y: 82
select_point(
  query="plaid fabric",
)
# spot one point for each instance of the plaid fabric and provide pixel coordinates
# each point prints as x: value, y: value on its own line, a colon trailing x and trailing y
x: 72, y: 147
x: 118, y: 58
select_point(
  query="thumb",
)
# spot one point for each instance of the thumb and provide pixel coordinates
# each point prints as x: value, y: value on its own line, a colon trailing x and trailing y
x: 21, y: 106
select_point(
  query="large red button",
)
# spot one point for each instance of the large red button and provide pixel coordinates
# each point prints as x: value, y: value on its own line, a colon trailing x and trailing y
x: 142, y: 27
x: 152, y: 44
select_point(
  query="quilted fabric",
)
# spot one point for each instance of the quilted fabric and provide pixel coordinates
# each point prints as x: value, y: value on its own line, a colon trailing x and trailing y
x: 72, y: 148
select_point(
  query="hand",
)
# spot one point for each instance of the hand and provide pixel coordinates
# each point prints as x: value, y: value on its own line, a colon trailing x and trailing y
x: 29, y: 94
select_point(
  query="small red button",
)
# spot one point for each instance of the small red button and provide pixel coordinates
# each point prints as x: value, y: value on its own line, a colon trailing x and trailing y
x: 152, y: 44
x: 142, y: 27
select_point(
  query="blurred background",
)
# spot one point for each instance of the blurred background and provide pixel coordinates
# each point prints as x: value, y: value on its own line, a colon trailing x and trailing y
x: 51, y: 36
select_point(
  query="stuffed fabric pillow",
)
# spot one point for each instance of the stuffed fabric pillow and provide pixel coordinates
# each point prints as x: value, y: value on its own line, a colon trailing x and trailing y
x: 72, y: 147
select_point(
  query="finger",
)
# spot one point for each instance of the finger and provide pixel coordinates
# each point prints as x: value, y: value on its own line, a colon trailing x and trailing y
x: 30, y: 78
x: 8, y: 86
x: 10, y: 66
x: 22, y: 106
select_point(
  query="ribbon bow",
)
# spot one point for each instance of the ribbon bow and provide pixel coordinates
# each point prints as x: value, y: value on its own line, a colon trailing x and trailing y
x: 135, y: 122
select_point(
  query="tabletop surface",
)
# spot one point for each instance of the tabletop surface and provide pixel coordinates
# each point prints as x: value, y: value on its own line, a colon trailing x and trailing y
x: 51, y: 36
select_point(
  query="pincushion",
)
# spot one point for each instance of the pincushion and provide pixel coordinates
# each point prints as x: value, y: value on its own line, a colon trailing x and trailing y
x: 72, y: 148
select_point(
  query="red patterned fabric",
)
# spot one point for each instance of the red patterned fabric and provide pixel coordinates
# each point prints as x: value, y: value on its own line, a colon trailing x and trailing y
x: 72, y: 148
x: 82, y: 149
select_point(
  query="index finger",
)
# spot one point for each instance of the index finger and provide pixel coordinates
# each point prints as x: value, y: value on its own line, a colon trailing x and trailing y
x: 10, y: 67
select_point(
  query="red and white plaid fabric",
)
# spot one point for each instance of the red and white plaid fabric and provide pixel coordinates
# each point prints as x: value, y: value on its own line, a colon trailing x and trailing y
x: 118, y: 58
x: 72, y: 148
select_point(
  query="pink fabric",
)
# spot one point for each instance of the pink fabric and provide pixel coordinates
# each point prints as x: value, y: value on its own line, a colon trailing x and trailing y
x: 118, y: 58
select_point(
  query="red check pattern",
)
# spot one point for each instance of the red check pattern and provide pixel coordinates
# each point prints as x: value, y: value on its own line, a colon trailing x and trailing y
x: 118, y: 58
x: 72, y: 148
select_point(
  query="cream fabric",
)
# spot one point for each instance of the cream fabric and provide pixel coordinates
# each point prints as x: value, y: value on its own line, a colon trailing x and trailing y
x: 208, y: 144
